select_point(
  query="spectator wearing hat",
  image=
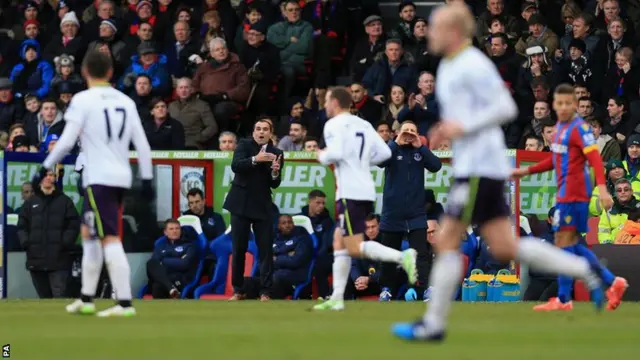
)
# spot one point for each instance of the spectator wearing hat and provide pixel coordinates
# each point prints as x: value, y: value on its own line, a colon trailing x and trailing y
x: 253, y: 13
x: 496, y: 8
x: 49, y: 121
x: 150, y: 63
x: 424, y: 60
x: 618, y: 124
x: 262, y: 59
x: 527, y: 9
x: 70, y: 42
x: 143, y: 14
x: 163, y: 131
x: 624, y: 79
x: 53, y: 26
x: 31, y: 12
x: 538, y: 34
x: 631, y: 161
x: 200, y: 127
x: 618, y: 38
x: 614, y: 171
x: 537, y: 65
x: 106, y: 11
x: 10, y: 111
x: 367, y: 48
x: 222, y: 82
x: 65, y: 92
x: 404, y: 29
x: 329, y: 21
x: 20, y: 144
x: 180, y: 49
x: 108, y: 36
x: 65, y: 71
x: 584, y: 30
x: 32, y: 74
x: 294, y: 37
x: 577, y: 68
x: 93, y: 11
x: 32, y: 30
x: 379, y: 78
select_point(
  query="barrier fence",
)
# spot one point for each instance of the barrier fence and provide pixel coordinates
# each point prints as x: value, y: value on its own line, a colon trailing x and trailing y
x: 177, y: 172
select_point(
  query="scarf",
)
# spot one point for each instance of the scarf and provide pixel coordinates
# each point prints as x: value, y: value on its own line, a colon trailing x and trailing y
x: 133, y: 29
x: 395, y: 110
x: 620, y: 90
x: 216, y: 64
x: 361, y: 103
x: 321, y: 17
x: 66, y: 40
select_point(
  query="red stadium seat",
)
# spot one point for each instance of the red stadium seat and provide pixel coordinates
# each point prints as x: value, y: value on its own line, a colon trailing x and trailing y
x: 228, y: 289
x: 148, y: 297
x: 592, y: 235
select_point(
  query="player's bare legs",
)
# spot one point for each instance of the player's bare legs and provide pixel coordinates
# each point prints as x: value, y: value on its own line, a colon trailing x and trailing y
x: 345, y: 247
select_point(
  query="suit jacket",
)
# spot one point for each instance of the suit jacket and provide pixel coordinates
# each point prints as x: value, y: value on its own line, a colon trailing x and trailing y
x: 250, y: 193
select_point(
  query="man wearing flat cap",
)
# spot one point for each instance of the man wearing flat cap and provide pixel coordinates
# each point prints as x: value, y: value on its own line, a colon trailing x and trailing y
x: 262, y: 61
x: 152, y: 64
x: 9, y: 110
x: 367, y: 47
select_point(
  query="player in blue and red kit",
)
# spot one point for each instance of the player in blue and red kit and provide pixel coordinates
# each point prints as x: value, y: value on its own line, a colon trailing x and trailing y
x: 573, y: 146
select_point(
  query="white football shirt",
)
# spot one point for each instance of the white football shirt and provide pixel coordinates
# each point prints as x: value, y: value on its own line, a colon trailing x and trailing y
x: 353, y: 146
x: 469, y: 90
x: 107, y: 122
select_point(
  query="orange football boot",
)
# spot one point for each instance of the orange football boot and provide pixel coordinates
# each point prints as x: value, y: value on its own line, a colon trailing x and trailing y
x: 616, y: 292
x: 554, y: 304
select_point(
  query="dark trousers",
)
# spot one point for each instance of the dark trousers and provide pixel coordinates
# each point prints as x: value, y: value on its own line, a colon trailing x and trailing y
x: 263, y: 231
x: 321, y: 271
x: 417, y: 240
x: 540, y: 289
x: 160, y: 282
x: 50, y: 284
x: 350, y: 291
x: 223, y: 112
x: 281, y: 288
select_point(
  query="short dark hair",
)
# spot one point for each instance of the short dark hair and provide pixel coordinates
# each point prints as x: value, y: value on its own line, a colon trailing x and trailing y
x: 619, y: 100
x: 287, y: 2
x: 315, y: 193
x: 584, y: 98
x: 170, y: 221
x: 49, y: 99
x: 535, y: 137
x: 97, y: 64
x: 564, y: 89
x: 592, y: 120
x: 372, y: 217
x: 194, y: 192
x: 503, y: 36
x: 383, y: 123
x: 587, y: 18
x: 310, y: 138
x: 298, y: 122
x: 341, y: 95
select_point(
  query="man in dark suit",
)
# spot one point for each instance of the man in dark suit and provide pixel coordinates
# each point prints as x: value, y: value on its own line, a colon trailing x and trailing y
x: 256, y: 164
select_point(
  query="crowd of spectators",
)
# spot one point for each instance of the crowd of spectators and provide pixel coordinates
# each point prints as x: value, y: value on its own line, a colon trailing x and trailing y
x: 201, y: 71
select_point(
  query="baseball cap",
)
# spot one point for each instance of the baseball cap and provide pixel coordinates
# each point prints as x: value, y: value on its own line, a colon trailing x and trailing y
x: 613, y: 164
x: 20, y: 140
x: 371, y: 18
x: 526, y: 5
x: 634, y: 140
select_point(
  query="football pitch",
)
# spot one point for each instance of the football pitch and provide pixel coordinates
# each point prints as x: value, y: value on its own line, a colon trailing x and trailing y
x: 286, y: 330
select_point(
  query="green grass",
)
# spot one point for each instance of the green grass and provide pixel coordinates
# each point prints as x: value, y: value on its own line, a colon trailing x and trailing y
x: 287, y: 331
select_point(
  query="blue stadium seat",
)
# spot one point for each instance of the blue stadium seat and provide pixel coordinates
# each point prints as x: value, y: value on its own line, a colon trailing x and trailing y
x: 221, y: 248
x: 305, y: 222
x: 189, y: 223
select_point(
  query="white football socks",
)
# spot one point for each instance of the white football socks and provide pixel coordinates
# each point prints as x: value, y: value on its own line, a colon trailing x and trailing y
x: 376, y: 251
x: 92, y: 260
x: 445, y: 279
x: 119, y: 271
x: 341, y: 269
x: 547, y: 258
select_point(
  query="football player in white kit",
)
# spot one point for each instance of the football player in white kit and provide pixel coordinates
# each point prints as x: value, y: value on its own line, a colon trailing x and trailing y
x: 353, y: 146
x: 474, y: 103
x: 106, y: 121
